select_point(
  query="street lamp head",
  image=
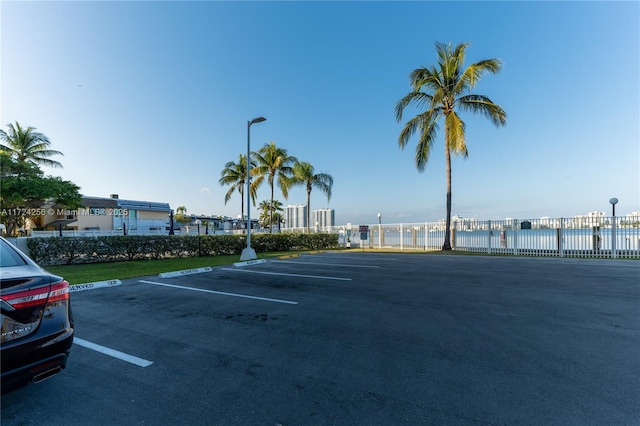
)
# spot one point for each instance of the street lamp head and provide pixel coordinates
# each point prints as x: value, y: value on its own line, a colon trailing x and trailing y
x: 613, y: 202
x: 257, y: 120
x: 379, y: 215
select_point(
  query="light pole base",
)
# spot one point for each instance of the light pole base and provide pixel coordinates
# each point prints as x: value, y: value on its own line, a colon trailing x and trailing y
x: 248, y: 254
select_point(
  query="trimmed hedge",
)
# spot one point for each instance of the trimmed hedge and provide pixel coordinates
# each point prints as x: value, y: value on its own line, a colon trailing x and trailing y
x: 73, y: 250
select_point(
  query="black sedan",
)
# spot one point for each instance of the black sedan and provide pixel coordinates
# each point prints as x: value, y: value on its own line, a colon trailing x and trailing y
x: 37, y: 324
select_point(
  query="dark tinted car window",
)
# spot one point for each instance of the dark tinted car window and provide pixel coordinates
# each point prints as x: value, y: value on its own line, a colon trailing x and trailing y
x: 9, y: 257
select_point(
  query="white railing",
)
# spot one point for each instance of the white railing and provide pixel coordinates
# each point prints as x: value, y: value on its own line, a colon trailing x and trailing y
x: 608, y: 238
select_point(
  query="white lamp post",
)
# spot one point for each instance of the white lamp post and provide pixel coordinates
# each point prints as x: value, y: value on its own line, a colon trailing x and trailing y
x: 248, y: 253
x: 198, y: 223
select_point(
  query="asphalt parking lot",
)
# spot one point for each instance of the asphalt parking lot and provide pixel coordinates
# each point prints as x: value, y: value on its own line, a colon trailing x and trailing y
x: 354, y: 339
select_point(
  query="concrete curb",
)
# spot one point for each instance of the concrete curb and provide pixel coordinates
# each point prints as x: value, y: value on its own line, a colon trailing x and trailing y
x: 250, y: 262
x: 94, y: 285
x: 185, y: 272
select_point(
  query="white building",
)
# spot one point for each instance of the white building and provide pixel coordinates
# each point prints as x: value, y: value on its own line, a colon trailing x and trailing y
x: 590, y: 219
x: 323, y: 217
x: 459, y: 222
x: 295, y: 216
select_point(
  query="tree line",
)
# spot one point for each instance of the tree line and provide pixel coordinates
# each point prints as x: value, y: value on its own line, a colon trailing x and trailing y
x: 24, y: 188
x: 439, y: 93
x: 273, y: 164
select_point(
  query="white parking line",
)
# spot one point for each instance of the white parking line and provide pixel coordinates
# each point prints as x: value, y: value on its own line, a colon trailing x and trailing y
x: 287, y: 275
x: 112, y: 352
x: 223, y: 293
x: 354, y: 256
x: 329, y: 264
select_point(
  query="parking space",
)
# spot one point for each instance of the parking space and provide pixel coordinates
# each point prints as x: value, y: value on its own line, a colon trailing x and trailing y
x: 354, y: 338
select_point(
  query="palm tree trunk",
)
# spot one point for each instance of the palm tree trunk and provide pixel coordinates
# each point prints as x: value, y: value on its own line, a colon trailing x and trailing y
x: 308, y: 210
x: 271, y: 212
x: 447, y: 231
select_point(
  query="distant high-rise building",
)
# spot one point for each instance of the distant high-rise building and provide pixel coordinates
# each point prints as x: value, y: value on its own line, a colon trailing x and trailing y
x: 295, y: 216
x: 323, y: 217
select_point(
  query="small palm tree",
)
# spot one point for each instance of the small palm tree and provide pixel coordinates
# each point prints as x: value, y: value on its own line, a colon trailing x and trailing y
x: 270, y: 213
x: 265, y: 209
x: 27, y: 145
x: 278, y: 218
x: 235, y: 175
x: 181, y: 211
x: 273, y: 162
x: 443, y: 91
x: 303, y: 174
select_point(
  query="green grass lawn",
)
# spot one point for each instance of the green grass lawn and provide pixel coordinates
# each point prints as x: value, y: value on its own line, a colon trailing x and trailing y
x: 92, y: 272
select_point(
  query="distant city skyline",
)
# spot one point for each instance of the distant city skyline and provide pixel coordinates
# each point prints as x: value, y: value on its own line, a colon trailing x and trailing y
x: 149, y: 100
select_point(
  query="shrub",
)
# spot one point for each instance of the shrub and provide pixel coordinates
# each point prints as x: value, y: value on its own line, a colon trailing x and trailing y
x: 58, y: 250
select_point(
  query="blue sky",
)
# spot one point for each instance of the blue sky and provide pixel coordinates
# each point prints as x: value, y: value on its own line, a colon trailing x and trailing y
x: 149, y: 100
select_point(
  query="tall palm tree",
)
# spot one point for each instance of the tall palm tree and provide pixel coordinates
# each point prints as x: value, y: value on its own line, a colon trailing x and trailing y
x: 27, y: 145
x: 235, y: 175
x: 303, y: 174
x: 273, y: 162
x: 443, y: 91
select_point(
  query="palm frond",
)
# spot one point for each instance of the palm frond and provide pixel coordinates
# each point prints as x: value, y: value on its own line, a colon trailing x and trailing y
x: 474, y: 72
x: 456, y: 135
x: 428, y: 131
x: 27, y: 145
x: 416, y: 99
x: 480, y: 104
x: 283, y: 184
x: 324, y: 182
x: 424, y: 147
x: 409, y: 130
x: 230, y: 192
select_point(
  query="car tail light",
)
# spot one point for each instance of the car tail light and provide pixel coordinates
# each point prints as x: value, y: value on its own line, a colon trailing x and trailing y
x: 38, y: 296
x: 59, y: 291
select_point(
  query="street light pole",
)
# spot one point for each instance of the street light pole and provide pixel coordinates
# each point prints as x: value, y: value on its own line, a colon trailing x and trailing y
x: 248, y: 253
x: 614, y: 253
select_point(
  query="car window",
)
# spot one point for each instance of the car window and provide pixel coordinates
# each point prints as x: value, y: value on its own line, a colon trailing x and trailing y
x: 9, y: 257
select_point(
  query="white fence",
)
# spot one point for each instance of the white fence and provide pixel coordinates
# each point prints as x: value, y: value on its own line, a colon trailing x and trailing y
x: 608, y: 237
